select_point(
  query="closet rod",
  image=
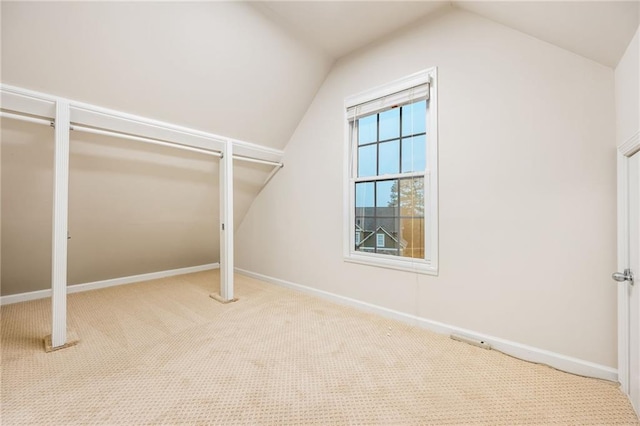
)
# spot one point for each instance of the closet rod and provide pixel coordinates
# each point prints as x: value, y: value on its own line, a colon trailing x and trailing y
x: 142, y: 139
x: 256, y: 160
x: 77, y: 128
x: 27, y: 118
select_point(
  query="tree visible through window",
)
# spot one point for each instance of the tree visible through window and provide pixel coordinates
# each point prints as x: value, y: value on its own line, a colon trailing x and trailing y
x: 391, y: 175
x: 391, y: 157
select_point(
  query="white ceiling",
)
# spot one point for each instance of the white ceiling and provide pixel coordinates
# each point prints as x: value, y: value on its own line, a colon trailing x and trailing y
x: 201, y: 64
x: 221, y: 67
x: 340, y: 27
x: 598, y: 30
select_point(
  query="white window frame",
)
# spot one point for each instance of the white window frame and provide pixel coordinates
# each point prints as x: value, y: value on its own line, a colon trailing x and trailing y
x: 380, y: 241
x: 428, y: 265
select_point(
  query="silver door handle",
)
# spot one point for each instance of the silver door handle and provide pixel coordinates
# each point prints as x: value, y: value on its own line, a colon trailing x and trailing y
x: 621, y: 277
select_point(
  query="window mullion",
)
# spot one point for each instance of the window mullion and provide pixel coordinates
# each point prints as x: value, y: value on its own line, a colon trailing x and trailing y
x: 427, y: 203
x: 375, y: 215
x: 400, y: 141
x: 375, y: 185
x: 355, y: 151
x: 420, y: 187
x: 377, y: 144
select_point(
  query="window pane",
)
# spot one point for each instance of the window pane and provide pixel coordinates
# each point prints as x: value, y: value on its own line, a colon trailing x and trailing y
x: 389, y: 158
x: 364, y: 195
x: 387, y: 234
x: 394, y: 223
x: 412, y: 242
x: 390, y: 124
x: 366, y: 226
x: 384, y: 193
x: 367, y: 129
x: 412, y: 197
x: 367, y: 156
x: 414, y: 154
x: 414, y: 117
x: 390, y: 224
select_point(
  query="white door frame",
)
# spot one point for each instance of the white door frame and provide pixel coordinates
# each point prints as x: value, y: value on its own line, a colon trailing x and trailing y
x: 625, y: 150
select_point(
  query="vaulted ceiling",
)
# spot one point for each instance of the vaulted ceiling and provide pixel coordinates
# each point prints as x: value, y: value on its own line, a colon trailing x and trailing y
x: 338, y: 28
x: 221, y: 67
x: 598, y: 30
x: 248, y: 70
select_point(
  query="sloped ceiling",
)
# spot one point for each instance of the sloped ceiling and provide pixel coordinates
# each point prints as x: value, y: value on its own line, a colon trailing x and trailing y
x: 598, y: 30
x: 134, y: 208
x: 341, y: 27
x: 221, y: 67
x: 229, y: 67
x: 594, y: 29
x: 246, y: 71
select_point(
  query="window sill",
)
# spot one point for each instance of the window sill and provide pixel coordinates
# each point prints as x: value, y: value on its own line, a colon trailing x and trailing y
x: 415, y: 266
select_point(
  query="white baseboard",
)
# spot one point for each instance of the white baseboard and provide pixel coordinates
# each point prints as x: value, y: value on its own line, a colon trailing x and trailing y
x: 518, y: 350
x: 76, y: 288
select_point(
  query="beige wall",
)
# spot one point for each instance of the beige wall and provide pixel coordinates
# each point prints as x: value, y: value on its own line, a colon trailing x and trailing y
x: 212, y: 66
x: 527, y: 190
x: 133, y: 208
x: 26, y: 191
x: 627, y: 82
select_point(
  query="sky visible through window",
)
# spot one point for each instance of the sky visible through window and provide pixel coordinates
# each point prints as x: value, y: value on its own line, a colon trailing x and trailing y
x: 392, y: 175
x: 389, y: 145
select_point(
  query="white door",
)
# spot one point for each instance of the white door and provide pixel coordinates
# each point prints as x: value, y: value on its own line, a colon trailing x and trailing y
x: 634, y: 290
x: 629, y: 282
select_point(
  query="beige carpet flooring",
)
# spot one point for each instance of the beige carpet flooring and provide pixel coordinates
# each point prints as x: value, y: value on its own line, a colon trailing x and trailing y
x: 163, y: 352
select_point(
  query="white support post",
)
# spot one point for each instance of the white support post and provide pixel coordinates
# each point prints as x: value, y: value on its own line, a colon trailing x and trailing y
x: 226, y: 226
x: 60, y: 218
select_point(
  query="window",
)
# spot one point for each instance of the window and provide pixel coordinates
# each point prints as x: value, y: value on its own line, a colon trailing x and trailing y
x: 391, y: 175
